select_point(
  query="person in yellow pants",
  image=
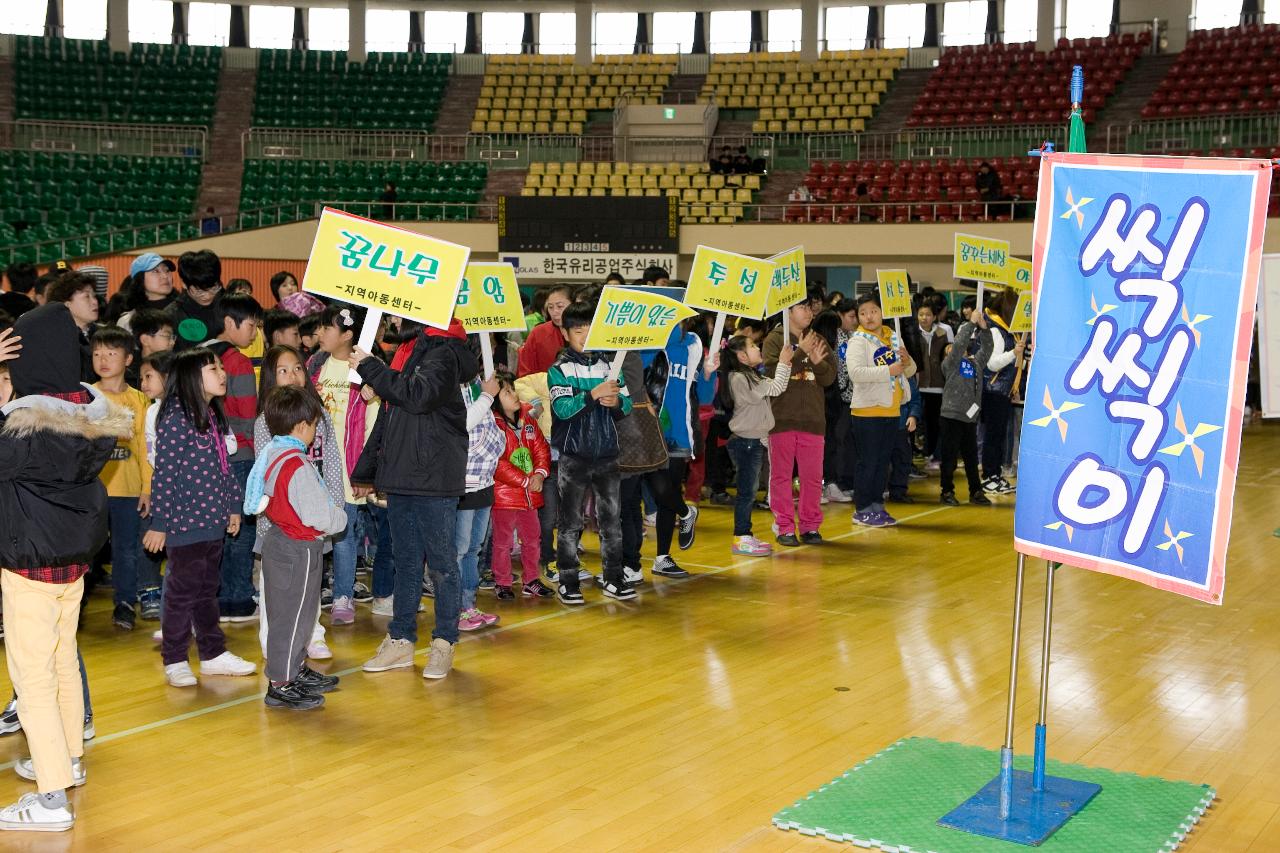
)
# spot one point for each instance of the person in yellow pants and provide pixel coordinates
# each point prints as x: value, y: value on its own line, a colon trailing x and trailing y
x: 54, y: 440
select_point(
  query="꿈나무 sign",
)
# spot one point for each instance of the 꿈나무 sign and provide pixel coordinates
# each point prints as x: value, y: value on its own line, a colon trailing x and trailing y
x: 390, y: 269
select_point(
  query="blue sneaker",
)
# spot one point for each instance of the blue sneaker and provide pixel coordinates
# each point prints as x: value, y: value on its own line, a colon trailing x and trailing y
x: 886, y: 520
x: 868, y: 519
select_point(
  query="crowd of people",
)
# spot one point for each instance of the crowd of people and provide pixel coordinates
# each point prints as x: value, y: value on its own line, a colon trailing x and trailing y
x: 204, y: 437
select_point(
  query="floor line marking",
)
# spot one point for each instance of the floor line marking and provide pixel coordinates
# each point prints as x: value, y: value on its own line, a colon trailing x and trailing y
x: 501, y: 629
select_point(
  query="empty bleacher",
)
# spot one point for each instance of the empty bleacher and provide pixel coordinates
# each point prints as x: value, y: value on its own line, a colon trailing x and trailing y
x: 446, y: 186
x: 320, y: 88
x: 1222, y: 71
x: 46, y: 196
x: 1016, y: 84
x: 532, y: 94
x: 839, y: 93
x: 80, y: 80
x: 703, y: 197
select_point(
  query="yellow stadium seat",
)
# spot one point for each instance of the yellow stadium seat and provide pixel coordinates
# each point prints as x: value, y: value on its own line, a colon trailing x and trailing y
x: 537, y: 169
x: 546, y: 191
x: 528, y: 191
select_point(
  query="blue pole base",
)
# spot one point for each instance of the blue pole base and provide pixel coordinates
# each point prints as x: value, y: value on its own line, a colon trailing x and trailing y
x: 1037, y: 763
x: 1034, y: 816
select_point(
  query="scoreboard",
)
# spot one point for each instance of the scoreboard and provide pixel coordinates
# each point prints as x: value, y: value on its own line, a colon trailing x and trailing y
x: 599, y: 224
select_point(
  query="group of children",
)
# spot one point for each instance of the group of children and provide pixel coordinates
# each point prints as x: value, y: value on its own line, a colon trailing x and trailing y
x: 269, y: 436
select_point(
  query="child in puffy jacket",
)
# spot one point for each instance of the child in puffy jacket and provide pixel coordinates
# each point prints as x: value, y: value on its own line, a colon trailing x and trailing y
x: 522, y: 472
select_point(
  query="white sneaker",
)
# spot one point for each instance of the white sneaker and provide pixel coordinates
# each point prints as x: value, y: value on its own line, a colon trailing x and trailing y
x: 157, y: 636
x: 180, y: 675
x: 29, y: 814
x: 27, y: 770
x: 834, y: 494
x: 632, y: 576
x: 227, y: 664
x: 319, y: 650
x: 384, y: 606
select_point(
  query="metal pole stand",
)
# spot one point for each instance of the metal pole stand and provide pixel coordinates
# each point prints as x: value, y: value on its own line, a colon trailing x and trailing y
x: 1025, y: 808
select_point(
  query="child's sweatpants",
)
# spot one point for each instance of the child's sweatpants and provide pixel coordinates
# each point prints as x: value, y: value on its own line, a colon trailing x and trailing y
x: 291, y: 574
x: 525, y: 522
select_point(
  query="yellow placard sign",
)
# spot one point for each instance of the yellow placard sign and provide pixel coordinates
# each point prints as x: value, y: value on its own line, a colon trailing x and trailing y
x: 629, y: 318
x: 1022, y: 313
x: 895, y: 295
x: 729, y: 283
x: 380, y: 266
x: 789, y: 285
x: 489, y: 299
x: 981, y: 259
x: 1019, y: 274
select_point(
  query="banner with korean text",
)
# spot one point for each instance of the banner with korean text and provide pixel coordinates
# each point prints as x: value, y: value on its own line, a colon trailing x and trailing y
x: 489, y: 299
x: 385, y: 268
x: 634, y: 318
x: 1145, y: 280
x: 789, y: 285
x: 983, y: 259
x: 729, y: 283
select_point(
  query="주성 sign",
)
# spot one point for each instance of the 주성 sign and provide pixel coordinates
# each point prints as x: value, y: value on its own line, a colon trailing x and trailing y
x: 489, y: 299
x: 379, y: 266
x: 789, y: 286
x: 1146, y: 275
x: 981, y: 259
x: 895, y: 297
x: 633, y: 319
x: 729, y: 283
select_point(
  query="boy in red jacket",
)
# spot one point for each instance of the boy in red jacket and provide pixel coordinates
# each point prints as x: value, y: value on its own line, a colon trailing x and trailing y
x: 517, y: 494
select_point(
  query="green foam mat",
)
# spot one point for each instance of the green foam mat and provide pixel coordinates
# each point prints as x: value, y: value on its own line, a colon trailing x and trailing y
x: 892, y: 801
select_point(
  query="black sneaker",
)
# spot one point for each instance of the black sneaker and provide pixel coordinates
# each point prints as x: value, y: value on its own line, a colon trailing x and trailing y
x: 428, y: 588
x: 536, y: 589
x: 90, y: 731
x: 550, y: 572
x: 788, y: 539
x: 621, y: 592
x: 668, y: 568
x: 764, y: 505
x: 572, y: 597
x: 722, y: 498
x: 326, y: 599
x: 123, y: 617
x: 292, y: 696
x: 813, y: 537
x: 487, y: 581
x: 991, y: 485
x: 504, y: 593
x: 979, y: 499
x: 902, y: 499
x: 315, y: 682
x: 360, y: 593
x: 686, y: 528
x: 1004, y: 487
x: 149, y: 603
x: 949, y: 498
x: 9, y: 722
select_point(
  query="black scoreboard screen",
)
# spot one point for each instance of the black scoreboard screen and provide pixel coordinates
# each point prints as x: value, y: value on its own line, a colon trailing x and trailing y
x: 593, y: 224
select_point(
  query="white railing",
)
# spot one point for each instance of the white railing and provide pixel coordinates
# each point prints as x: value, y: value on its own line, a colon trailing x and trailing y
x: 150, y: 140
x: 334, y: 144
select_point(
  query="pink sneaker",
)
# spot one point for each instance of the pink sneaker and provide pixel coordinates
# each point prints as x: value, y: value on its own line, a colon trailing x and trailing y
x: 343, y: 612
x: 471, y: 620
x: 489, y: 618
x: 750, y: 546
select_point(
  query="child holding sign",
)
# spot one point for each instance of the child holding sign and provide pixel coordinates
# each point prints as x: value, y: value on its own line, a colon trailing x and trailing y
x: 585, y: 403
x: 879, y: 367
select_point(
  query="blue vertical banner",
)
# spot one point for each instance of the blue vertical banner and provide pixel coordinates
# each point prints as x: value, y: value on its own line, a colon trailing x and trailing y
x: 1145, y: 282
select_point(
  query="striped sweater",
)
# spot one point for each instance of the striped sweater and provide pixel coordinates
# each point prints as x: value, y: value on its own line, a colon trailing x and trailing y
x: 241, y: 401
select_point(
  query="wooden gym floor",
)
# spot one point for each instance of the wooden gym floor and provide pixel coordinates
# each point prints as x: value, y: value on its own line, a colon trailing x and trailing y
x: 684, y: 721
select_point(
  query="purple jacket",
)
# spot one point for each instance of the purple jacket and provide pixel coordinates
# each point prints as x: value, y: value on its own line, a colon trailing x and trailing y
x: 193, y: 492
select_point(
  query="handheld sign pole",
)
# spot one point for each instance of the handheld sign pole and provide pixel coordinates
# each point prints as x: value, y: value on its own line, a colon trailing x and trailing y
x: 1006, y: 750
x: 786, y: 327
x: 368, y: 338
x: 717, y: 335
x: 615, y: 366
x: 486, y: 354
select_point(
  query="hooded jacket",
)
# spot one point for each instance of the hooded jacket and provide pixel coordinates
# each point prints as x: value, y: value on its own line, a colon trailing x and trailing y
x: 580, y: 426
x: 53, y: 507
x: 963, y: 368
x: 55, y: 356
x: 419, y: 444
x: 526, y: 453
